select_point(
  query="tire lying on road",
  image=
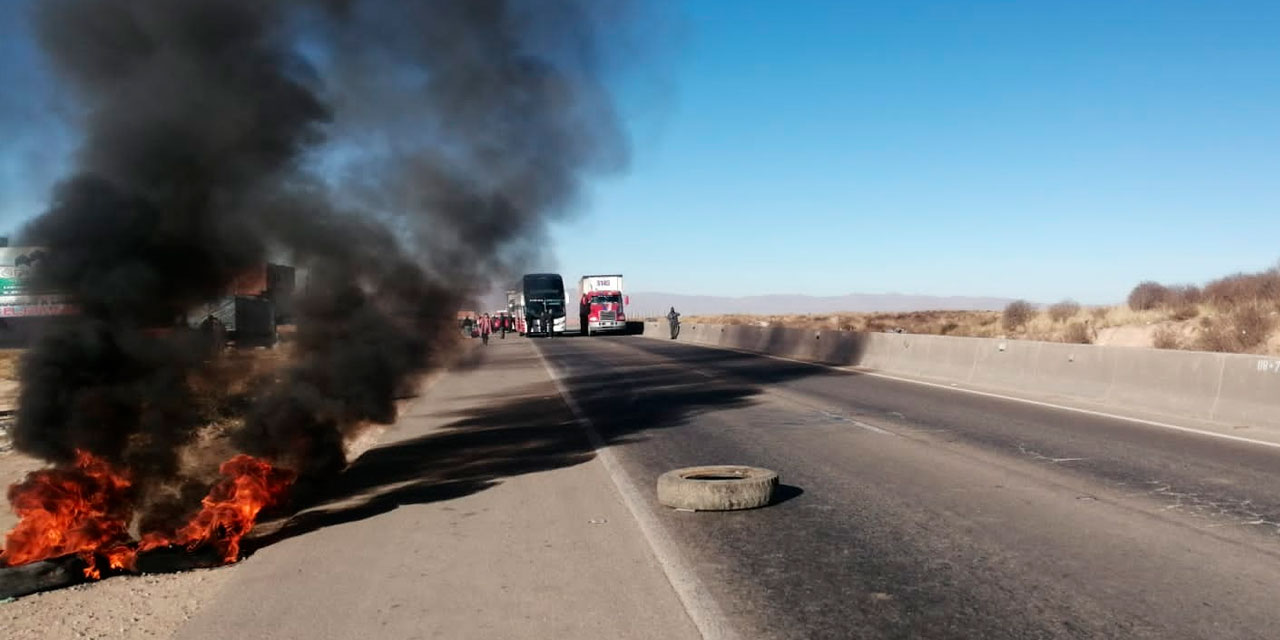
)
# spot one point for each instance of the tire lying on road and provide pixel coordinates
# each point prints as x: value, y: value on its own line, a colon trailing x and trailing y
x: 717, y: 488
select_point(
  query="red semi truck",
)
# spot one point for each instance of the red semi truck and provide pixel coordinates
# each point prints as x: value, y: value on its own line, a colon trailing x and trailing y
x: 601, y: 304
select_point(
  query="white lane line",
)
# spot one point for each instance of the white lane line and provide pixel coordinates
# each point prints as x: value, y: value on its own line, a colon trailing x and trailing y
x: 837, y: 416
x: 1038, y: 403
x: 703, y: 611
x: 872, y: 428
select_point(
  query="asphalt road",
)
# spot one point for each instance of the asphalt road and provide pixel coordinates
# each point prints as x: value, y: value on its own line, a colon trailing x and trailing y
x: 916, y: 512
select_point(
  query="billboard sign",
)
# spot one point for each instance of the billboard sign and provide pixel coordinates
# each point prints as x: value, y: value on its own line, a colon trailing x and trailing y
x: 19, y: 297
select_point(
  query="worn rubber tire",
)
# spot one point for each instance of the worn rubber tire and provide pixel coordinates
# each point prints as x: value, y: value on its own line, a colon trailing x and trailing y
x: 748, y: 488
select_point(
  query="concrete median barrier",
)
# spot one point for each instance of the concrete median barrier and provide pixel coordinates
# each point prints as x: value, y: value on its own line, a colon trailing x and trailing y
x: 736, y: 334
x: 1249, y: 391
x: 948, y: 358
x: 1075, y: 370
x: 1178, y: 383
x: 1005, y: 363
x: 1226, y: 388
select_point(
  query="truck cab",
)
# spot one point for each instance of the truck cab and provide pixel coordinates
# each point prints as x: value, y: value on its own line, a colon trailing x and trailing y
x: 601, y: 304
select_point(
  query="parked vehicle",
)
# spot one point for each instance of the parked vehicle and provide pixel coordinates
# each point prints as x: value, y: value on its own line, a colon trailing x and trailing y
x: 255, y: 303
x: 601, y: 304
x: 542, y: 297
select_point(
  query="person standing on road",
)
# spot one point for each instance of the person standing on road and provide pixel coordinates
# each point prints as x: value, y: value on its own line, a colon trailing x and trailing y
x: 502, y: 321
x: 485, y: 328
x: 674, y: 319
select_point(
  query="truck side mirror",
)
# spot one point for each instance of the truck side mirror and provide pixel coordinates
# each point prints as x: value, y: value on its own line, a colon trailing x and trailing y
x: 626, y: 300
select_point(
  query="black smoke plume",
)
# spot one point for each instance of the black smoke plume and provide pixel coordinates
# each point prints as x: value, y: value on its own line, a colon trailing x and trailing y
x: 402, y: 152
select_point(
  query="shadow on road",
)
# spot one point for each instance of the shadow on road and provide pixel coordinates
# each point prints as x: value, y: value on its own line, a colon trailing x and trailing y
x: 749, y: 368
x: 784, y: 493
x: 515, y: 432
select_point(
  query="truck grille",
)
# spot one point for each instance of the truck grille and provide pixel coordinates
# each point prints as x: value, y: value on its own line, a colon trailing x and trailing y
x: 608, y: 316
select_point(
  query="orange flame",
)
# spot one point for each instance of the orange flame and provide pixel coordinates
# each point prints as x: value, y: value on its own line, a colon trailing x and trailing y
x: 231, y: 507
x: 86, y: 510
x: 83, y: 510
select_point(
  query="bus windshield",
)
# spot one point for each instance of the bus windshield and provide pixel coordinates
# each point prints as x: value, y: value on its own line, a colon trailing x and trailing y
x: 543, y: 285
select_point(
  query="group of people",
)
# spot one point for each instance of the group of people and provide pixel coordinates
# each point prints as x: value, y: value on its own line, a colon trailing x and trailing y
x: 486, y: 325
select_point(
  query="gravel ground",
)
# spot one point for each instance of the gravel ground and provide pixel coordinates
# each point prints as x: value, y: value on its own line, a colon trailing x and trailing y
x: 147, y: 606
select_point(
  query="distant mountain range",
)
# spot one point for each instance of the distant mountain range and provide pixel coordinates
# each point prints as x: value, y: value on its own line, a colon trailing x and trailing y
x: 650, y: 303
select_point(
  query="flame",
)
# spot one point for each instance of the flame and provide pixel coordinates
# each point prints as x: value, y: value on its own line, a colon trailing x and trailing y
x: 83, y: 510
x: 86, y: 510
x: 231, y: 507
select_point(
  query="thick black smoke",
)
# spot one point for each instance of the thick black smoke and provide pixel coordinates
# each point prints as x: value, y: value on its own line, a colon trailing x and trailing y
x: 403, y: 152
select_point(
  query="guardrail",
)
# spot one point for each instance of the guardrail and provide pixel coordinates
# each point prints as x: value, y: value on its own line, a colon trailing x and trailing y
x: 1218, y: 387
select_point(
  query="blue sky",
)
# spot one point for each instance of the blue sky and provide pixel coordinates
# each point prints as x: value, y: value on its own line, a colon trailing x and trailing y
x: 34, y: 145
x: 1022, y: 149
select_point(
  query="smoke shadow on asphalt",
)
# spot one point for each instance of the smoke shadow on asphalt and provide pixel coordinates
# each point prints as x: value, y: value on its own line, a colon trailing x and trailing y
x: 826, y: 346
x: 514, y: 432
x: 748, y: 368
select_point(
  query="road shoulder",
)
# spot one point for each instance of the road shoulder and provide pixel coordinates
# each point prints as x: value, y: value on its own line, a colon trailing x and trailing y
x: 501, y: 524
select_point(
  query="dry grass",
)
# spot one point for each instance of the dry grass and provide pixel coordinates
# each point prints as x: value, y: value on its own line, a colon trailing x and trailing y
x: 9, y: 359
x: 1198, y: 326
x: 1238, y: 314
x: 984, y: 324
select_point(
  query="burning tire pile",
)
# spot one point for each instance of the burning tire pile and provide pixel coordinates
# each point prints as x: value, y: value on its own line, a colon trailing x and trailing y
x: 80, y: 517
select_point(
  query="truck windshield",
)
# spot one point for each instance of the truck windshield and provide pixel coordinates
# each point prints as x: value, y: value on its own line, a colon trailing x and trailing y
x: 613, y: 298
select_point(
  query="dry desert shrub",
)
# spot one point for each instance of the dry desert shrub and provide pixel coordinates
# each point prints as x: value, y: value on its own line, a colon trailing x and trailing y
x: 1063, y: 310
x: 1184, y: 294
x: 1244, y: 329
x: 1183, y: 312
x: 1166, y: 337
x: 1242, y: 289
x: 1215, y: 335
x: 1017, y: 314
x: 1148, y: 295
x: 1252, y: 324
x: 1078, y: 333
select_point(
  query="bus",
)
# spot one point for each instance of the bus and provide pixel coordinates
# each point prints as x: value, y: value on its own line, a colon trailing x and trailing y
x: 542, y: 296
